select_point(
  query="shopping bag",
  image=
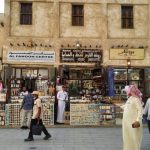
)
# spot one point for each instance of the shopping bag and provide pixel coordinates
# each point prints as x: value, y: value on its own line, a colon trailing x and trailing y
x: 37, y: 129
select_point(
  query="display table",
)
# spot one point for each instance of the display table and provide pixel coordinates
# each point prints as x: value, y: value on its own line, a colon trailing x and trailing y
x: 92, y: 114
x: 12, y: 114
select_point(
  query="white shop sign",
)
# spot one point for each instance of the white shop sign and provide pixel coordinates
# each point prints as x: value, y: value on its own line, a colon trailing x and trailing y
x: 31, y: 56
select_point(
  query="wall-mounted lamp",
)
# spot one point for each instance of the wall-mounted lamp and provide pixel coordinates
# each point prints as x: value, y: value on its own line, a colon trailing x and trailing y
x: 112, y: 47
x: 18, y: 44
x: 2, y: 24
x: 68, y: 45
x: 128, y: 62
x: 126, y: 45
x: 11, y: 44
x: 23, y: 44
x: 78, y: 45
x: 62, y: 45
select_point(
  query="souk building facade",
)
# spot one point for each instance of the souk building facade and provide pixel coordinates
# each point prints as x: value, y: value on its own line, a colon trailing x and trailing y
x: 77, y: 43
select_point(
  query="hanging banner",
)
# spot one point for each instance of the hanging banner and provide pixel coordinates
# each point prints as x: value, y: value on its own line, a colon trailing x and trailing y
x: 110, y: 79
x: 121, y: 53
x: 31, y: 56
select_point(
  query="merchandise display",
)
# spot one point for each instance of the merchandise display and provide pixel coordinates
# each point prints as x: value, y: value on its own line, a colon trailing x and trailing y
x: 127, y: 76
x: 84, y: 114
x: 2, y: 114
x: 107, y: 113
x: 92, y: 114
x: 2, y: 97
x: 12, y: 113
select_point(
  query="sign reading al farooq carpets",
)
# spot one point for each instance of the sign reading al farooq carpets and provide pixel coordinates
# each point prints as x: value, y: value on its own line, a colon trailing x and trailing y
x: 118, y: 54
x: 31, y: 56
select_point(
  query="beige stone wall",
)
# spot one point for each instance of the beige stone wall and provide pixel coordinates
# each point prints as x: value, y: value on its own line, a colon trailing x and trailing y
x: 43, y: 20
x: 102, y: 26
x: 141, y: 26
x: 93, y: 21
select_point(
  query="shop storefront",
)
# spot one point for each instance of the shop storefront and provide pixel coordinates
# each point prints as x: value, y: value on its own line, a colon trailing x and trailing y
x: 33, y: 70
x: 93, y: 90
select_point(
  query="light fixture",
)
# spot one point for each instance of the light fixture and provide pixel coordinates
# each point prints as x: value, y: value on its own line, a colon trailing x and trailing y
x: 141, y: 46
x: 112, y: 47
x: 128, y: 62
x: 18, y: 44
x: 2, y: 24
x: 11, y: 44
x: 24, y: 44
x: 78, y: 45
x: 62, y: 45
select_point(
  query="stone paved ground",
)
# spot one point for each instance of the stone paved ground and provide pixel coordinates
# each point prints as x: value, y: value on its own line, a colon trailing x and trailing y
x: 69, y: 139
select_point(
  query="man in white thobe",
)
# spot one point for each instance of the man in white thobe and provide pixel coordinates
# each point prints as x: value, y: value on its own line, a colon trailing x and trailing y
x: 132, y: 116
x: 62, y: 97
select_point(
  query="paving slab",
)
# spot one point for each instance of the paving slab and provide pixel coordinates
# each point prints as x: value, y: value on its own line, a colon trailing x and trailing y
x: 99, y: 138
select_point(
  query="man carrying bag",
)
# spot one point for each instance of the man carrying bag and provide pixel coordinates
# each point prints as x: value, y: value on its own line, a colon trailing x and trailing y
x: 36, y: 121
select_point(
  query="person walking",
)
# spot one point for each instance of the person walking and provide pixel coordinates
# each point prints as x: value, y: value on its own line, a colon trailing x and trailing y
x: 26, y: 110
x: 147, y: 112
x: 132, y: 119
x: 62, y: 97
x: 37, y: 118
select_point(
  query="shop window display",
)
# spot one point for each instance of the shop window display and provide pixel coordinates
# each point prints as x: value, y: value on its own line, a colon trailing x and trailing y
x: 31, y: 78
x: 127, y: 76
x: 85, y: 83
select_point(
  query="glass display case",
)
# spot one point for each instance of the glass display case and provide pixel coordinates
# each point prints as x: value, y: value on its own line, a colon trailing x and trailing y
x: 127, y: 76
x: 85, y: 82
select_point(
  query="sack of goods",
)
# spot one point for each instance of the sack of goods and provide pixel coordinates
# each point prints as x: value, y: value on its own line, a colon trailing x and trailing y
x: 37, y: 129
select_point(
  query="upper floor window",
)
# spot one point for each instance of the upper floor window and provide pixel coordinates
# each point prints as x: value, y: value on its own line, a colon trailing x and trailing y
x: 77, y: 15
x: 127, y: 17
x: 26, y: 13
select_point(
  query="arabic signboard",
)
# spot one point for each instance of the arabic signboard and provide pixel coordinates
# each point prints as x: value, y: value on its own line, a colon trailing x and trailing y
x: 126, y: 54
x: 81, y: 55
x: 31, y: 56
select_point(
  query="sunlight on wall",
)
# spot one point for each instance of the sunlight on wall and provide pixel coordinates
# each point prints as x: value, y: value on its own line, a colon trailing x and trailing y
x: 1, y: 6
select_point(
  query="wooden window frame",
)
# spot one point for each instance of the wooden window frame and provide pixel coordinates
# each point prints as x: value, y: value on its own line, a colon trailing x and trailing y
x: 77, y: 15
x: 127, y: 19
x: 26, y: 13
